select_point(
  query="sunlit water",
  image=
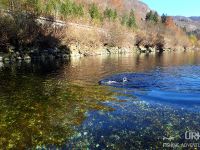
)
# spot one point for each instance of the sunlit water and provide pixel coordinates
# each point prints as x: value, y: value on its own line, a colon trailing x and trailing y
x: 70, y: 105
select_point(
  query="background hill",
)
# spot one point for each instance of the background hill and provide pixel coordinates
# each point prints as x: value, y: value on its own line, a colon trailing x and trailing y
x: 189, y: 24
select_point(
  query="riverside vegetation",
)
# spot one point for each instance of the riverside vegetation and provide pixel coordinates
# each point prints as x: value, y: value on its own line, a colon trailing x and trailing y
x: 93, y: 30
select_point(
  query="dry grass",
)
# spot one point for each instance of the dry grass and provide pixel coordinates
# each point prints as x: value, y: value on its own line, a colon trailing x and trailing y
x: 161, y: 37
x: 88, y: 37
x: 111, y: 35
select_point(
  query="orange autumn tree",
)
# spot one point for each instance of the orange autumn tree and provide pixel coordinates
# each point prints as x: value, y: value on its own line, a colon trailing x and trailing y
x: 169, y: 22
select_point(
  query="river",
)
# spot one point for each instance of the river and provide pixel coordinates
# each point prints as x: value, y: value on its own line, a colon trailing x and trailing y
x: 143, y: 101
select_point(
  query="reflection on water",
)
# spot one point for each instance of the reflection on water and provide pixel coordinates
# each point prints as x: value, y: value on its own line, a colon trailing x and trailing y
x: 51, y: 103
x: 92, y: 69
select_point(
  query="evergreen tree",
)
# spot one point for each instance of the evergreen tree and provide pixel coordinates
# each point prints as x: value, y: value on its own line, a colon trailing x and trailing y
x: 163, y: 18
x: 53, y: 7
x: 124, y: 19
x: 110, y: 14
x: 115, y: 14
x: 152, y: 17
x: 149, y: 16
x: 155, y: 17
x: 77, y: 9
x: 66, y: 8
x: 131, y: 21
x: 107, y: 13
x: 94, y: 12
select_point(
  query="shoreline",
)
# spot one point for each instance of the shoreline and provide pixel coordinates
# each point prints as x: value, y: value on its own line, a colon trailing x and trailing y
x: 77, y: 51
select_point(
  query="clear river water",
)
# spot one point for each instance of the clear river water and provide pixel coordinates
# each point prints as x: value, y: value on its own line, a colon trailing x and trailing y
x: 135, y: 101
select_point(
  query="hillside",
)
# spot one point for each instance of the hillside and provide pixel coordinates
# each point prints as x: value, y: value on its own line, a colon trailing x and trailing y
x: 139, y: 7
x: 123, y: 25
x: 190, y: 23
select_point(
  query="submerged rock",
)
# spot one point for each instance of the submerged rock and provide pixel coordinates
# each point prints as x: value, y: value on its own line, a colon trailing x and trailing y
x: 19, y: 58
x: 27, y: 57
x: 1, y: 64
x: 65, y: 56
x: 6, y: 59
x: 1, y: 58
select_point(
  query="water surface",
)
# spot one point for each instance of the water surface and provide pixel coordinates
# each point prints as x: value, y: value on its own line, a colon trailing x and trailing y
x: 60, y: 104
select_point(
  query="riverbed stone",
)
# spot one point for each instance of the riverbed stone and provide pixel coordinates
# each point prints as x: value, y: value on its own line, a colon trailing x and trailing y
x: 6, y: 59
x: 1, y: 64
x: 27, y: 57
x: 65, y: 56
x: 19, y: 58
x: 1, y: 58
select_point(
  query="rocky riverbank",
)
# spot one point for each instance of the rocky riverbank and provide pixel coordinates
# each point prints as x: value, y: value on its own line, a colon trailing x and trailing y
x: 79, y: 50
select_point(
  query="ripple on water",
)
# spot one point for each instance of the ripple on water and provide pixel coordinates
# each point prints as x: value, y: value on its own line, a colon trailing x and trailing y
x: 174, y: 85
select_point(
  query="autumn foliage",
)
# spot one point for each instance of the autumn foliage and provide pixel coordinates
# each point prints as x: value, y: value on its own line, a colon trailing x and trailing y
x: 111, y: 16
x: 169, y: 22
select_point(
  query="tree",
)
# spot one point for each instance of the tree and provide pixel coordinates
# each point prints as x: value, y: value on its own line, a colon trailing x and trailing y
x: 169, y: 22
x: 152, y: 17
x: 193, y: 39
x: 110, y: 14
x: 149, y: 16
x: 115, y: 14
x: 66, y: 8
x: 77, y: 9
x: 53, y: 7
x: 94, y: 12
x: 163, y: 18
x: 107, y: 13
x: 155, y: 17
x: 124, y: 19
x: 131, y: 21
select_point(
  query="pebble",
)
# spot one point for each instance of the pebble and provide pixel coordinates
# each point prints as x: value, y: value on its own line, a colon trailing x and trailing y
x: 79, y: 135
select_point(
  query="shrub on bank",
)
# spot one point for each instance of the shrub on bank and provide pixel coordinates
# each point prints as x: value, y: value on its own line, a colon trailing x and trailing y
x: 149, y: 40
x: 20, y: 32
